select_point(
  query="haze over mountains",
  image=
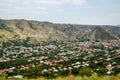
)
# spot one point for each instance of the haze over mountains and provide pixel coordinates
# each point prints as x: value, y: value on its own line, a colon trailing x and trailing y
x: 44, y: 31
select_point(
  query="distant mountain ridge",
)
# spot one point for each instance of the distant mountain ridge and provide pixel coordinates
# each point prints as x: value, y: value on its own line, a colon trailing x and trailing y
x: 44, y: 31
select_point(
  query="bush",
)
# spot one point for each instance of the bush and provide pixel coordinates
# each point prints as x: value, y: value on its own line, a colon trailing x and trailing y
x: 95, y: 77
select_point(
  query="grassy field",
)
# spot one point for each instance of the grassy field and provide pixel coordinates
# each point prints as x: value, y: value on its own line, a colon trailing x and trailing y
x: 93, y: 77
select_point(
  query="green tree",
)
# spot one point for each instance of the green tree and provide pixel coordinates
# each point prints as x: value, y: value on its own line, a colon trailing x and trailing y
x: 26, y: 41
x: 101, y: 71
x: 33, y: 72
x: 85, y: 71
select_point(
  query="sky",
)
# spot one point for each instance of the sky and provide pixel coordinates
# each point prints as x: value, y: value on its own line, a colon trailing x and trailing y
x: 98, y: 12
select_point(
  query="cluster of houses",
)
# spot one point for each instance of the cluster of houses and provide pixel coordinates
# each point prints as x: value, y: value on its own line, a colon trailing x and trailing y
x: 62, y: 56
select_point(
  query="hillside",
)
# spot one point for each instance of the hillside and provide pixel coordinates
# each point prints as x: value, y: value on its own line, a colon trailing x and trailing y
x: 44, y: 31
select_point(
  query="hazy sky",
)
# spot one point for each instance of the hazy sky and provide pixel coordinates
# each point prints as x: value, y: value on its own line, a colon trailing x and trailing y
x: 63, y: 11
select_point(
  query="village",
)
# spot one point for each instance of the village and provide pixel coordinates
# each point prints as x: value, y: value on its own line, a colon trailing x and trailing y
x: 60, y: 56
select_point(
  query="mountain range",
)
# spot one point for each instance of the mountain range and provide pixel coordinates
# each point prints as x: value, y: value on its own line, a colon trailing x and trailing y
x: 44, y: 31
